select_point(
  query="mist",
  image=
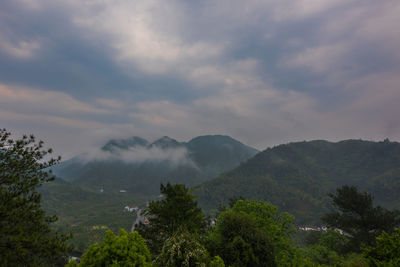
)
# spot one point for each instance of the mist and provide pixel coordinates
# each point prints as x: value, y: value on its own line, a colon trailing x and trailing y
x: 175, y: 156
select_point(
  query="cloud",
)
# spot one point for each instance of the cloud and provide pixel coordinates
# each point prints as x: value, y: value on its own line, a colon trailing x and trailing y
x: 175, y: 156
x: 144, y: 34
x: 21, y: 49
x: 264, y: 72
x: 110, y: 103
x: 30, y: 4
x: 320, y: 59
x: 43, y: 119
x: 43, y: 101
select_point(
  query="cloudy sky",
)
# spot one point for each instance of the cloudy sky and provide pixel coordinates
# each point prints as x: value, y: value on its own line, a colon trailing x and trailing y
x: 78, y: 72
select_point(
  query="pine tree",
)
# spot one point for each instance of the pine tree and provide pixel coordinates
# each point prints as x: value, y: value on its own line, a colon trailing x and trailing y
x: 356, y: 215
x: 177, y: 209
x: 26, y: 236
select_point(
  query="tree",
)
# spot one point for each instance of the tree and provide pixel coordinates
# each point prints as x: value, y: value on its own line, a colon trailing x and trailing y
x: 334, y: 241
x: 26, y: 236
x: 387, y: 250
x: 278, y: 226
x: 252, y: 233
x: 177, y: 209
x: 216, y: 261
x: 182, y: 249
x: 117, y: 250
x: 356, y: 215
x: 328, y: 249
x: 240, y: 241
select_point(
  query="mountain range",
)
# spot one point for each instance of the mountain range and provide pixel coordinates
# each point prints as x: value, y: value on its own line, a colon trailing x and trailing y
x: 138, y: 166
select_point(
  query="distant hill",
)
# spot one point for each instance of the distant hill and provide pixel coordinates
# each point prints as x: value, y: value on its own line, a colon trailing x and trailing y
x: 298, y: 176
x: 137, y: 166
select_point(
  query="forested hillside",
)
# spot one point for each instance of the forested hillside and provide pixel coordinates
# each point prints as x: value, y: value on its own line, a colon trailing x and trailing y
x: 86, y: 213
x: 298, y: 176
x: 137, y: 166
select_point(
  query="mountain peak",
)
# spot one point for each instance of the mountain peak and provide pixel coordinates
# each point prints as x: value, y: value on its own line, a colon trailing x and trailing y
x: 166, y: 142
x: 124, y: 144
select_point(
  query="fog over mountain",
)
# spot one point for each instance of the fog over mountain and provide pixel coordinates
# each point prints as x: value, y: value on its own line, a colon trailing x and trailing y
x: 138, y: 150
x: 78, y: 73
x: 137, y: 165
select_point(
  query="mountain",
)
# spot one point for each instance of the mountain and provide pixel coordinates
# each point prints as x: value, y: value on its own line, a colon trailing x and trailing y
x: 137, y: 166
x: 116, y: 144
x: 297, y: 177
x: 166, y: 143
x: 216, y: 153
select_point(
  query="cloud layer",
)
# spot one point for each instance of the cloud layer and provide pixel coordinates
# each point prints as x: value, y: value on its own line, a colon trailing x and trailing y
x: 77, y: 73
x: 174, y: 156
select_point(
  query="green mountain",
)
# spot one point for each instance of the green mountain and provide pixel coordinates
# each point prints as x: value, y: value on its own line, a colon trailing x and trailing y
x: 298, y: 176
x: 137, y: 166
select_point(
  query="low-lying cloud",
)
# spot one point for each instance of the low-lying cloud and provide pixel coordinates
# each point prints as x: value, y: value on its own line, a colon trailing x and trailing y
x: 138, y: 154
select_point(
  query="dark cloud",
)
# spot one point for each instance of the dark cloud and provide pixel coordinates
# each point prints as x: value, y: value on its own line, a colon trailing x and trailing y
x: 264, y: 72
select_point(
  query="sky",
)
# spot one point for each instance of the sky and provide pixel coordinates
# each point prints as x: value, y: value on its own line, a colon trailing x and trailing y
x: 76, y: 73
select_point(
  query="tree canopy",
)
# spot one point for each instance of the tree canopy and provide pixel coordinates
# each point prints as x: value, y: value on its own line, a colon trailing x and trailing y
x: 182, y: 249
x: 387, y: 250
x: 125, y: 249
x: 251, y: 233
x: 175, y: 210
x: 26, y: 237
x: 356, y: 215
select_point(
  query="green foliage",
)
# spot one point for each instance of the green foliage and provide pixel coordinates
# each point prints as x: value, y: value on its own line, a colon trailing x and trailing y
x: 216, y: 261
x: 387, y: 250
x: 177, y: 209
x: 328, y: 250
x: 297, y: 177
x: 311, y: 237
x: 279, y: 226
x: 357, y: 217
x: 323, y: 255
x: 87, y: 213
x: 26, y: 237
x: 117, y: 250
x: 240, y: 241
x: 355, y: 260
x: 334, y: 241
x: 183, y: 249
x: 252, y: 233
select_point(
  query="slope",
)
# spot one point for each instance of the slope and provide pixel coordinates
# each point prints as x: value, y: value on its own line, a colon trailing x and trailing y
x: 298, y: 176
x: 85, y: 213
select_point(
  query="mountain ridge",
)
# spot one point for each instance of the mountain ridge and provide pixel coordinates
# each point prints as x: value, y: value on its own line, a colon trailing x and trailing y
x: 298, y: 176
x: 134, y: 164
